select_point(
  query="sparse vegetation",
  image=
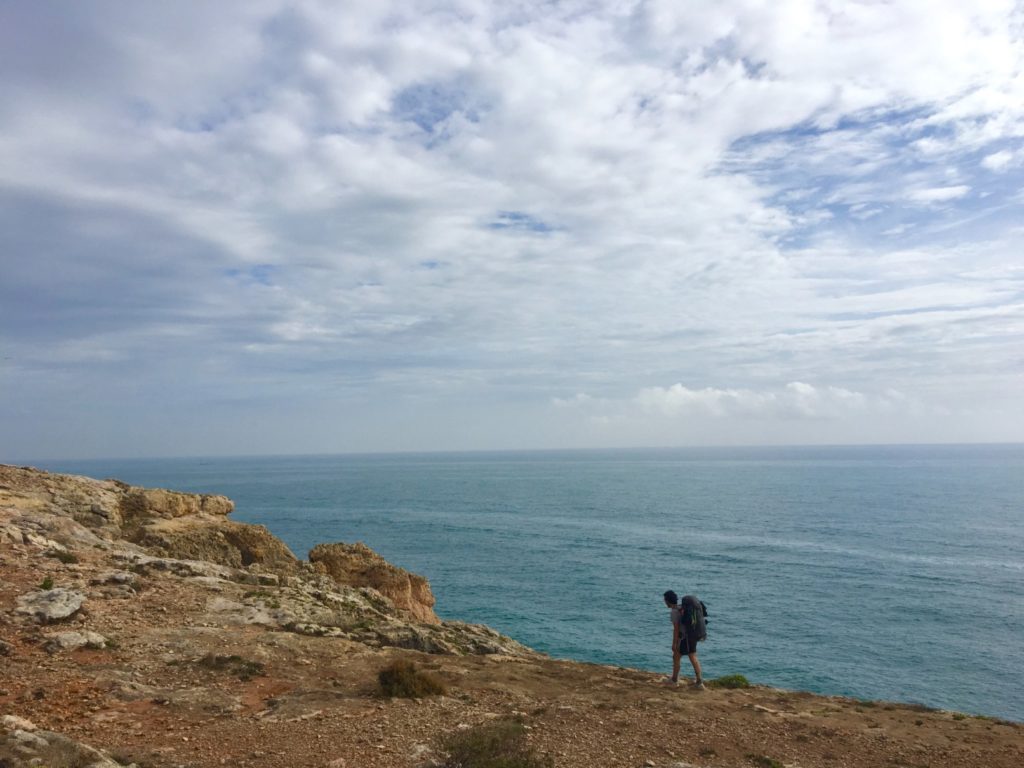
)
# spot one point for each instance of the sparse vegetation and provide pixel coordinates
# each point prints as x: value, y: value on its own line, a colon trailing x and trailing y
x: 244, y: 669
x: 763, y: 761
x: 729, y: 681
x: 267, y: 598
x: 46, y: 583
x: 63, y: 555
x: 495, y: 745
x: 707, y: 752
x: 401, y: 678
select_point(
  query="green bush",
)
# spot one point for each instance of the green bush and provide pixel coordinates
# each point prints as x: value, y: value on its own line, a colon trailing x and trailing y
x: 496, y: 745
x: 47, y: 583
x: 401, y: 678
x: 730, y: 681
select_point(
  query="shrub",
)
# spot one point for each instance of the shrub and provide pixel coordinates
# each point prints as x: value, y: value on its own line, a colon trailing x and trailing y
x: 762, y: 761
x: 401, y: 678
x: 496, y: 745
x: 47, y: 583
x: 64, y: 556
x: 730, y: 681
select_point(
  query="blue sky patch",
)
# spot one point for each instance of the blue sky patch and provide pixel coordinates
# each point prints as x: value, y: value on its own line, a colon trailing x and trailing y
x: 517, y: 220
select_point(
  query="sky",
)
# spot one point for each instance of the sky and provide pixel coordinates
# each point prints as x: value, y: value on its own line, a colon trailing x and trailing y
x: 271, y: 227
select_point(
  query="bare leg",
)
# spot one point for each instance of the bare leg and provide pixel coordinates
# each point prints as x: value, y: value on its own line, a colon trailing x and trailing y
x: 676, y: 658
x: 696, y: 667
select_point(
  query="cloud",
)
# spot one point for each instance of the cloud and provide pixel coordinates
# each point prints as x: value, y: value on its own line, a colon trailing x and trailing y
x: 939, y: 194
x: 795, y: 400
x: 355, y: 209
x: 1000, y: 161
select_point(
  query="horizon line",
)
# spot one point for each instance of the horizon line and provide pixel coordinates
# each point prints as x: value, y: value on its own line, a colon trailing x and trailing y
x: 485, y: 451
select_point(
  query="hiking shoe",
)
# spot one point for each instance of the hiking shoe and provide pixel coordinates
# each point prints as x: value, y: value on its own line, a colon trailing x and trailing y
x: 699, y: 685
x: 668, y: 681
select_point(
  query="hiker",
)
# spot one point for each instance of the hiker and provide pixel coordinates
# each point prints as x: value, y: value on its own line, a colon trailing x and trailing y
x: 687, y: 623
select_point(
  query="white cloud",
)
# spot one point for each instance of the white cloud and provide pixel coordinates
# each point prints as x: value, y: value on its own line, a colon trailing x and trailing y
x: 939, y: 194
x: 795, y: 400
x: 999, y: 161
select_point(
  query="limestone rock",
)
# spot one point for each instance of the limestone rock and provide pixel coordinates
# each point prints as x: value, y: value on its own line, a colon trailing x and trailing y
x: 71, y: 641
x: 356, y: 565
x: 216, y: 540
x: 51, y: 605
x: 40, y: 748
x: 140, y: 503
x: 15, y: 723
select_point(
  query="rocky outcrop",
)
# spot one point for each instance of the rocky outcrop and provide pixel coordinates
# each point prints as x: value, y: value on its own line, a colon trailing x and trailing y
x: 217, y: 541
x: 57, y: 511
x: 356, y: 565
x: 344, y: 591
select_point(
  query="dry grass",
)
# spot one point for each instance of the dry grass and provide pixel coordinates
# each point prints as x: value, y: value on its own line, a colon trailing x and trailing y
x: 402, y: 679
x: 495, y: 745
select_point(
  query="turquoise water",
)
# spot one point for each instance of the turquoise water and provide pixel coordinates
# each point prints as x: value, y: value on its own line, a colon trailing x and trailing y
x: 876, y: 572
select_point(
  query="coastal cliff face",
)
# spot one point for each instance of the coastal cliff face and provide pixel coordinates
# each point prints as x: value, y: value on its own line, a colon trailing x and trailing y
x: 356, y: 565
x: 344, y: 590
x: 144, y: 627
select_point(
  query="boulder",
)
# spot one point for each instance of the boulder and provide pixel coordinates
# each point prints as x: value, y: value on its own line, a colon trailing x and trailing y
x: 356, y: 565
x: 51, y: 605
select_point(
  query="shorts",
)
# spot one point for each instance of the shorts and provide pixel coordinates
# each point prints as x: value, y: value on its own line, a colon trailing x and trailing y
x: 687, y: 644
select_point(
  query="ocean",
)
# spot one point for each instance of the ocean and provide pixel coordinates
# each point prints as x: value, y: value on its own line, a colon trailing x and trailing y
x: 890, y: 573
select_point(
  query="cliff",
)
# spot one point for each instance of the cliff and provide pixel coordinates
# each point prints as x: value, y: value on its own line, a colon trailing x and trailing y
x: 143, y: 626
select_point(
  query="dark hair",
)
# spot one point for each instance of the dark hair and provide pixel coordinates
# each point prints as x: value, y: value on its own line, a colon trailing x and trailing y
x: 671, y: 597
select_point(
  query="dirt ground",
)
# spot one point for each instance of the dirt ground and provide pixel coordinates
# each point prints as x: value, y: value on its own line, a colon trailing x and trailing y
x: 281, y: 699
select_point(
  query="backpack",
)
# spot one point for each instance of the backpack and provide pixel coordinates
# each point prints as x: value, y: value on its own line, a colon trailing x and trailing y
x: 694, y: 617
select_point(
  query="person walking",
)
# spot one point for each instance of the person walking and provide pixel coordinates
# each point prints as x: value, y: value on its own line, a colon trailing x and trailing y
x: 687, y: 617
